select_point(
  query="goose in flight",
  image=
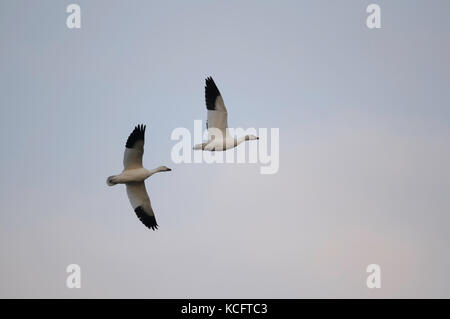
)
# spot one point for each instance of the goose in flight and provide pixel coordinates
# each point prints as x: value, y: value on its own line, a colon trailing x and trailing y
x: 217, y: 123
x: 134, y: 175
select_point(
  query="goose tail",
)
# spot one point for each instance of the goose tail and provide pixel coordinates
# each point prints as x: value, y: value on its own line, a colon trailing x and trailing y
x: 110, y: 180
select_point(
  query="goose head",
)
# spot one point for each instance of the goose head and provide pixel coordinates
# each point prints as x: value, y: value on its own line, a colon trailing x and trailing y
x: 251, y: 137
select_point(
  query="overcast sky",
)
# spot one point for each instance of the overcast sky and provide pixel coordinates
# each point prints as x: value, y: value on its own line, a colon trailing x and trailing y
x: 364, y: 149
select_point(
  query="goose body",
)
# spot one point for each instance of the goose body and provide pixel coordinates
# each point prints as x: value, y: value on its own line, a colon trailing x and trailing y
x: 134, y: 176
x: 219, y: 137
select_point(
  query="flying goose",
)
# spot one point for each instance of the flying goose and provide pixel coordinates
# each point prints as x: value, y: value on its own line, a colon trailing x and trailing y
x: 134, y: 175
x: 217, y: 123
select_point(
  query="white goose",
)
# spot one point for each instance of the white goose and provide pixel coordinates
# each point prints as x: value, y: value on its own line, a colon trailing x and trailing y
x: 217, y: 124
x: 134, y: 175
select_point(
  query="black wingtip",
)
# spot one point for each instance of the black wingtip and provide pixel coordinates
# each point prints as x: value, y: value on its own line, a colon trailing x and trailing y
x: 137, y: 135
x: 148, y: 220
x: 211, y: 93
x: 209, y: 81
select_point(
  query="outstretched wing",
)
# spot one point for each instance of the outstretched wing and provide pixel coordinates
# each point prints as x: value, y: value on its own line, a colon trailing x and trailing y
x: 134, y: 148
x: 137, y: 193
x: 217, y: 112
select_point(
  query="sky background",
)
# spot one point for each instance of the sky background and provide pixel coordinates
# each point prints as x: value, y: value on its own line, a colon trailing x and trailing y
x: 364, y: 149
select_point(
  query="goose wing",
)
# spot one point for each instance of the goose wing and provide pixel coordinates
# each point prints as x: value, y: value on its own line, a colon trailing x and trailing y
x: 134, y: 148
x: 217, y: 112
x: 138, y: 196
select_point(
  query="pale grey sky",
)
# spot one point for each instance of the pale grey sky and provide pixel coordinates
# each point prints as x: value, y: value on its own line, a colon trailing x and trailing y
x: 364, y: 148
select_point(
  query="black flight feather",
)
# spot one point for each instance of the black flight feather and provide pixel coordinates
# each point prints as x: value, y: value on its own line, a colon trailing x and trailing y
x: 138, y: 134
x: 211, y: 93
x: 147, y: 220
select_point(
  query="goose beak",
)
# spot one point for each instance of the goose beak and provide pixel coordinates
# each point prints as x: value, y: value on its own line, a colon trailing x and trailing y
x: 169, y: 169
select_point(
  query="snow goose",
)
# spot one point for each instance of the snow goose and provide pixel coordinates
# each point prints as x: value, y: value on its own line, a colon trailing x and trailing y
x: 134, y: 175
x: 217, y: 122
